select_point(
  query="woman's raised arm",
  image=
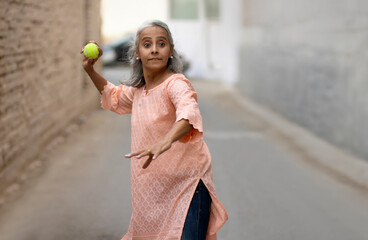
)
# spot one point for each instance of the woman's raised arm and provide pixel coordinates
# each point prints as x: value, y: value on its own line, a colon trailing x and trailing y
x: 96, y: 78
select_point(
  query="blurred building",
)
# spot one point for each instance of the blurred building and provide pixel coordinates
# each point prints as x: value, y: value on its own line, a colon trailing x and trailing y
x: 207, y: 32
x: 305, y: 60
x: 42, y: 84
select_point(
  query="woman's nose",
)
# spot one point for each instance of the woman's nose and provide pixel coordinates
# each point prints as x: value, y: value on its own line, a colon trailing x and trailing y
x: 154, y: 49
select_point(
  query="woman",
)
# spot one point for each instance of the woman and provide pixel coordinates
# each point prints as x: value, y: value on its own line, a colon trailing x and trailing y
x: 173, y: 195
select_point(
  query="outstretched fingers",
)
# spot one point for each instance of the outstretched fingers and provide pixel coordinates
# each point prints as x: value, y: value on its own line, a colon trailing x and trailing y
x: 142, y: 153
x: 139, y: 154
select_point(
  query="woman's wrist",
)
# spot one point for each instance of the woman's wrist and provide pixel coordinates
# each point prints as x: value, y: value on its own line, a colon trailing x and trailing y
x: 169, y: 139
x: 90, y: 70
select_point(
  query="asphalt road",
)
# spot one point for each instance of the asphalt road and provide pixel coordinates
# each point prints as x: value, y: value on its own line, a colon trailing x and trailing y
x: 270, y: 191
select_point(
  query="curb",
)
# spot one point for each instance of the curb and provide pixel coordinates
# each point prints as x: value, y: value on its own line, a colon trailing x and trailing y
x: 344, y: 166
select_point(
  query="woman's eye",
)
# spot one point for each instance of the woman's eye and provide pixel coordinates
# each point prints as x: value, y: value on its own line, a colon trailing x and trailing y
x: 146, y: 45
x: 162, y: 44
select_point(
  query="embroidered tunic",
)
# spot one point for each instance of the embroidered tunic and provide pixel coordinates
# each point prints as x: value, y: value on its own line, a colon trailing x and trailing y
x: 161, y: 193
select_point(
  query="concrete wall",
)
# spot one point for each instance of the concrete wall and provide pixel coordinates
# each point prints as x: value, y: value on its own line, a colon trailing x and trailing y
x: 42, y: 84
x: 307, y: 60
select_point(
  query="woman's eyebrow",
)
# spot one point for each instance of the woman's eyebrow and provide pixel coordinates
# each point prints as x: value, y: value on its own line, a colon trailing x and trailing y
x: 162, y: 37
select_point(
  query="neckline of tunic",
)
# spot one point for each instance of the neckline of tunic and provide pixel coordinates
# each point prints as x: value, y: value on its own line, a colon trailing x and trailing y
x: 147, y: 92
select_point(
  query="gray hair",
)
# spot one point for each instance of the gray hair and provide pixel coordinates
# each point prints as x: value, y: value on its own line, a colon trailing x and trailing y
x: 174, y: 64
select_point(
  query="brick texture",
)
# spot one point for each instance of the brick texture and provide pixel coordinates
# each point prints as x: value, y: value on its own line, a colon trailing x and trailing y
x: 42, y: 84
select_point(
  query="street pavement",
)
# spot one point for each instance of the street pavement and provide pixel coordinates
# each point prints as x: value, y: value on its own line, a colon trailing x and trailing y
x: 271, y: 191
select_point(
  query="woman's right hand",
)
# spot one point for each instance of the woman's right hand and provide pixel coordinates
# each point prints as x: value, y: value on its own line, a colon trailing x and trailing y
x: 88, y: 63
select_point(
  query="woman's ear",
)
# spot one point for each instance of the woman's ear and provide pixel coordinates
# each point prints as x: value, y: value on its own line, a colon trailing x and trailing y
x: 171, y: 52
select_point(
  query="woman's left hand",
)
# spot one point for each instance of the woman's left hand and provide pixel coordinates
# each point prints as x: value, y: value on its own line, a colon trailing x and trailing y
x: 152, y: 152
x: 178, y: 130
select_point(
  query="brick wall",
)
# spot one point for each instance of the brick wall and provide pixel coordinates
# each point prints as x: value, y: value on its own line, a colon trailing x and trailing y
x: 42, y: 84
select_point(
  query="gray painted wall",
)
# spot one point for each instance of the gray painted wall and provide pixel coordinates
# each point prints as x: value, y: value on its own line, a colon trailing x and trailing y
x: 308, y: 61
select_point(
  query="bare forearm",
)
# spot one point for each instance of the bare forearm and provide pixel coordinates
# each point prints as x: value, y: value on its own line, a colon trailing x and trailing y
x: 179, y: 130
x: 97, y: 80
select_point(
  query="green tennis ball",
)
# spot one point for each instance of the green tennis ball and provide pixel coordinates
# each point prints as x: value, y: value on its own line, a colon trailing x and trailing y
x: 91, y: 50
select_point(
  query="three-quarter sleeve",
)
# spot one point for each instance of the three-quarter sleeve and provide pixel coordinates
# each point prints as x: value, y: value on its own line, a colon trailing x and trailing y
x: 184, y: 99
x: 118, y: 99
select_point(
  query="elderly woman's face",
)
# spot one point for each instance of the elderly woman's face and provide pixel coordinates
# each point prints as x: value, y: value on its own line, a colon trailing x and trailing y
x: 154, y: 48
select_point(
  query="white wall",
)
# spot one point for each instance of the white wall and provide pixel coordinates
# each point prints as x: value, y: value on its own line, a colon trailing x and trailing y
x: 211, y: 46
x: 230, y: 38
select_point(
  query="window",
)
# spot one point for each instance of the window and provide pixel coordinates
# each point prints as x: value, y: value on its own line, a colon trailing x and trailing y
x: 184, y: 9
x: 212, y: 9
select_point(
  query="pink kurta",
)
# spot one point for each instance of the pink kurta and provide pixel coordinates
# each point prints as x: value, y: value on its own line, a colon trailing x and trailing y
x: 161, y: 193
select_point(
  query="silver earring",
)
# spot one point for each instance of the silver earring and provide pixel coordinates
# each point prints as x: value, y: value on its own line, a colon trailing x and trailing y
x: 137, y: 58
x: 171, y: 57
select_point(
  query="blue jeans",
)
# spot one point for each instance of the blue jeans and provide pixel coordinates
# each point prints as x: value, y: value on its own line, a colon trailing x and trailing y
x: 196, y: 222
